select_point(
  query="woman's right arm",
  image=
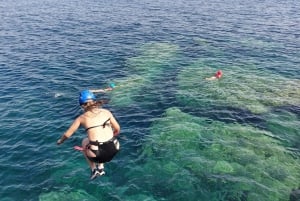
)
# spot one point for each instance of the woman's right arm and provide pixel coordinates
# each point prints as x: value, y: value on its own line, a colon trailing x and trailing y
x: 72, y: 129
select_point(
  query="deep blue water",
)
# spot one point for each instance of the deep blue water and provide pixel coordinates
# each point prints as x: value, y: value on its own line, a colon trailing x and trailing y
x: 50, y: 50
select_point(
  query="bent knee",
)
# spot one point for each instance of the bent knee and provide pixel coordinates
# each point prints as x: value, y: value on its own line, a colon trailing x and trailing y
x: 85, y: 142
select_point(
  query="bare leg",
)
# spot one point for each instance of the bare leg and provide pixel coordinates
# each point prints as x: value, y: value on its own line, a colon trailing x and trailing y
x: 92, y: 165
x: 211, y: 78
x: 85, y: 142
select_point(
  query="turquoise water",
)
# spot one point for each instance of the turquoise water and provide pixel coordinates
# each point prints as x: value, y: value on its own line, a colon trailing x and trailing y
x: 183, y: 138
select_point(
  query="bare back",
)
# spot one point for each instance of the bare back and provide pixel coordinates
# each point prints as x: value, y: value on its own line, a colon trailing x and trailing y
x: 98, y: 124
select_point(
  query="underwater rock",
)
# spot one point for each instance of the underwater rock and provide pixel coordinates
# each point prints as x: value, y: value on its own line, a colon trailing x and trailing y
x: 144, y: 72
x: 285, y: 126
x: 242, y: 87
x: 126, y: 90
x: 78, y: 195
x: 222, y: 167
x: 139, y: 197
x: 152, y: 59
x: 209, y: 160
x: 295, y: 195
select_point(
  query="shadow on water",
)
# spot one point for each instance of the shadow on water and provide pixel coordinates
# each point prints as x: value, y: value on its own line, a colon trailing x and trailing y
x: 290, y: 108
x: 286, y: 126
x: 227, y: 115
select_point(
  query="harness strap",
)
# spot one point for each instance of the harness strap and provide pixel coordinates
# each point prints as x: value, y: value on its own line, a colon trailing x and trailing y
x: 97, y: 143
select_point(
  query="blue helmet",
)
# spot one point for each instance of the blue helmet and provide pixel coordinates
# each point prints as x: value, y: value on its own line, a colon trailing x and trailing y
x: 85, y: 96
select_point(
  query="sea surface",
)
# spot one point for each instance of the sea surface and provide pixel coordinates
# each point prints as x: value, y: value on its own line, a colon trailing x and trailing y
x: 182, y: 137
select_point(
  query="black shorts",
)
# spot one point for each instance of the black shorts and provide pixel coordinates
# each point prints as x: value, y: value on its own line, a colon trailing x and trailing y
x: 106, y: 150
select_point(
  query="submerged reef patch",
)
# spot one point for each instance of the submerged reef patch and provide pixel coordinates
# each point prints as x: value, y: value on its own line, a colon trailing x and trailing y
x: 210, y: 160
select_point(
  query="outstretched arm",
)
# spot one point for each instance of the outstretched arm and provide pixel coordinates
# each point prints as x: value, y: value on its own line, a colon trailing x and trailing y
x: 72, y: 129
x: 101, y: 90
x: 111, y: 86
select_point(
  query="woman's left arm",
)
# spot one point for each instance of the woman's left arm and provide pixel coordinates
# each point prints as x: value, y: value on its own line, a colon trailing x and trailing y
x: 115, y: 125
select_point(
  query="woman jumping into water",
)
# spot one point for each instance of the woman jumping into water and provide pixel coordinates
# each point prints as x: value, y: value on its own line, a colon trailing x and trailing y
x: 101, y: 127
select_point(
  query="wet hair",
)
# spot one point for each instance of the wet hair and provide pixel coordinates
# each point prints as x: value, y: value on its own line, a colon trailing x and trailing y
x: 93, y: 104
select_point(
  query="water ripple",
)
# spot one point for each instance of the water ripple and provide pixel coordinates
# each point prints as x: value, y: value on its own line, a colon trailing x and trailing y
x: 52, y: 49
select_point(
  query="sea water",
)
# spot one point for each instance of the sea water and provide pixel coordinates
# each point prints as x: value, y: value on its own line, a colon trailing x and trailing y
x: 182, y: 137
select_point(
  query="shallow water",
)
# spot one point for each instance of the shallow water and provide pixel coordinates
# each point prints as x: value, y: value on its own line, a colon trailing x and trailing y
x: 176, y: 126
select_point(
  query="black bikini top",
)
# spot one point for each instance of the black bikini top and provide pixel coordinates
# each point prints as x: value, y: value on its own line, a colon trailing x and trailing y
x: 103, y: 125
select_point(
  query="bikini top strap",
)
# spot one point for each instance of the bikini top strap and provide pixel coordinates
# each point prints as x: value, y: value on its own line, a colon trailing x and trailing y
x: 105, y: 123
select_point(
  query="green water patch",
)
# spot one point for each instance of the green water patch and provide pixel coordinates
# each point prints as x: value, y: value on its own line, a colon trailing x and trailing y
x: 209, y: 47
x: 144, y: 71
x: 243, y: 87
x: 76, y: 195
x: 152, y: 59
x: 71, y: 181
x: 200, y: 159
x: 286, y: 126
x: 100, y: 189
x: 261, y: 44
x: 126, y: 90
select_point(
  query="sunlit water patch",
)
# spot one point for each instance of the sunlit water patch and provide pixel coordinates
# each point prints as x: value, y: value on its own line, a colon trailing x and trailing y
x: 182, y: 138
x: 242, y: 87
x: 204, y: 159
x: 147, y: 72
